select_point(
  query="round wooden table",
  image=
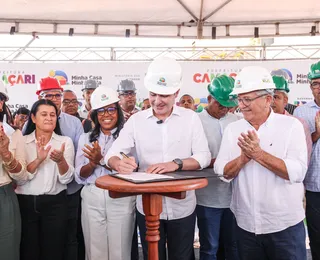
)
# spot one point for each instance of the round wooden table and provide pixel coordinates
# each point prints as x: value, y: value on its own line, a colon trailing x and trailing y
x: 152, y: 200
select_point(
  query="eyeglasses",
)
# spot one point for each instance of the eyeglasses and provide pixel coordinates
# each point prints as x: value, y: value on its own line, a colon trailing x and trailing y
x: 128, y: 94
x: 248, y: 101
x: 315, y: 85
x: 68, y: 102
x: 109, y: 110
x: 52, y: 96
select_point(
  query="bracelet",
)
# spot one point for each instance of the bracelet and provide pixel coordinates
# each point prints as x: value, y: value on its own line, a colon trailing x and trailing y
x: 11, y: 168
x: 10, y: 160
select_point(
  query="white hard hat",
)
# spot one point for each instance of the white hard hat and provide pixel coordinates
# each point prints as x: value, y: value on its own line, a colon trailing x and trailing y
x: 164, y: 76
x: 252, y: 78
x: 3, y: 90
x: 103, y: 96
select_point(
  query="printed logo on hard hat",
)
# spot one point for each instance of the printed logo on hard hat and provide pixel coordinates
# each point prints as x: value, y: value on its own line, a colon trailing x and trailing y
x: 162, y: 82
x: 238, y: 84
x: 104, y: 97
x: 266, y: 80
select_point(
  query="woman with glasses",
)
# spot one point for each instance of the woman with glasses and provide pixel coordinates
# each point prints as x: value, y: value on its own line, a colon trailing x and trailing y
x: 107, y: 223
x: 12, y: 166
x: 42, y: 196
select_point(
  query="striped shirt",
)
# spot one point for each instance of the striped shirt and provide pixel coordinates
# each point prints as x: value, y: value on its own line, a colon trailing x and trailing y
x: 290, y: 108
x: 308, y: 113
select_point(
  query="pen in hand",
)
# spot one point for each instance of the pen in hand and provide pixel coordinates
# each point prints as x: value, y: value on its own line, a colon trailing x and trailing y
x: 124, y: 155
x: 127, y: 157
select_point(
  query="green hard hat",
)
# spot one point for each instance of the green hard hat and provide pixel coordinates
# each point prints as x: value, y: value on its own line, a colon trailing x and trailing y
x: 314, y: 71
x: 281, y: 83
x: 220, y: 88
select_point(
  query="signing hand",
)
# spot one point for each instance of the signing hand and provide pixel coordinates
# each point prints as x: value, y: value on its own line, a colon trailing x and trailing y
x: 161, y: 168
x: 57, y: 155
x: 41, y: 152
x: 93, y: 153
x: 250, y: 145
x: 126, y: 165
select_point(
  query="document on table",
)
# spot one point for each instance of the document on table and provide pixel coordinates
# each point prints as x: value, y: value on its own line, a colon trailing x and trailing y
x: 142, y: 176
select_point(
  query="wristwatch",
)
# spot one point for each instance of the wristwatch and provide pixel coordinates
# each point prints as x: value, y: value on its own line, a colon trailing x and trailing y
x: 102, y: 162
x: 179, y: 162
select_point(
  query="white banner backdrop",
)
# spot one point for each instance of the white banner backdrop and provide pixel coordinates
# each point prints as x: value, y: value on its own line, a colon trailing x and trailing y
x: 22, y: 78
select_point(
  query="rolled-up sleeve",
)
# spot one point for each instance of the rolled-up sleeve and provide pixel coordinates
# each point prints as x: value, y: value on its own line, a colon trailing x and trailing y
x: 69, y: 157
x: 124, y: 143
x: 200, y: 148
x: 296, y: 159
x: 81, y: 160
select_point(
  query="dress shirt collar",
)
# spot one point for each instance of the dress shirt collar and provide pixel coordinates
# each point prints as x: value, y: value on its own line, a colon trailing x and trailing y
x: 32, y: 137
x: 175, y: 111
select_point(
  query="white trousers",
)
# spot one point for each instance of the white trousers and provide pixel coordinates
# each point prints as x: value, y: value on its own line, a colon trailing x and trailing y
x: 107, y: 224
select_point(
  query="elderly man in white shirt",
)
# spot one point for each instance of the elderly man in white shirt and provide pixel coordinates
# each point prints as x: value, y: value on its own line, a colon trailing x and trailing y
x: 214, y: 217
x: 265, y: 156
x: 167, y: 138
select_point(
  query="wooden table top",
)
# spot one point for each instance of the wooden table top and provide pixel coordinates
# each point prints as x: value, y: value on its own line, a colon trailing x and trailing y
x: 118, y: 185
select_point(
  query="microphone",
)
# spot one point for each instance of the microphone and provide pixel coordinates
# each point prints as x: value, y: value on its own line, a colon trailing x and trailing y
x: 159, y: 122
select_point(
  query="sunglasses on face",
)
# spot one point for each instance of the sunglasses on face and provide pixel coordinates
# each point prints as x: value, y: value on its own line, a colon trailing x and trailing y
x: 109, y: 110
x: 52, y: 96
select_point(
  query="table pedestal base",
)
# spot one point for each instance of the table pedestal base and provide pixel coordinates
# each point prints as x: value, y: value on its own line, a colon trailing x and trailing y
x: 152, y: 208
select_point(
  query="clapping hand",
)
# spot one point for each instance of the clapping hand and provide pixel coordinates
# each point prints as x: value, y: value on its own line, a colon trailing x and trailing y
x: 250, y: 146
x: 93, y: 153
x: 42, y: 153
x: 58, y: 155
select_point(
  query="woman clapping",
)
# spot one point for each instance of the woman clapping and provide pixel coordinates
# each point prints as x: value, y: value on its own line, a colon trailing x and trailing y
x: 42, y: 196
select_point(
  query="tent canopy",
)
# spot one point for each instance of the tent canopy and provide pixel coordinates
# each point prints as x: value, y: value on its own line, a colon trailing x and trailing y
x: 166, y: 18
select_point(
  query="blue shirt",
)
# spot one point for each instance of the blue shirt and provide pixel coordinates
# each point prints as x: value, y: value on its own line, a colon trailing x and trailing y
x: 105, y: 142
x: 71, y: 126
x: 308, y: 113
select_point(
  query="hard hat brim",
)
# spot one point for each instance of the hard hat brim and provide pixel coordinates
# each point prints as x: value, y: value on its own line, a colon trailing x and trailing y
x: 312, y: 76
x: 41, y: 90
x: 227, y: 103
x: 161, y: 90
x: 87, y: 88
x: 111, y: 101
x: 242, y: 90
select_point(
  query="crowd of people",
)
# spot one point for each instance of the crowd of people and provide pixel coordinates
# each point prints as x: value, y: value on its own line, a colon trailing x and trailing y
x: 264, y: 162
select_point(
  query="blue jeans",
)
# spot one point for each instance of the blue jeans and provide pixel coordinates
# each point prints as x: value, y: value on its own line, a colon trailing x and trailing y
x: 213, y: 223
x: 313, y: 222
x: 288, y: 244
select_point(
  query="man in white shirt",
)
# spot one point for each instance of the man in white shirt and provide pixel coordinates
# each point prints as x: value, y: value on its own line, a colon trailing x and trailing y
x: 265, y: 156
x: 214, y: 217
x: 167, y: 138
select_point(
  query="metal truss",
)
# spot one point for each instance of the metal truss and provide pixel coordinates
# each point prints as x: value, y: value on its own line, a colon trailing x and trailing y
x: 107, y: 54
